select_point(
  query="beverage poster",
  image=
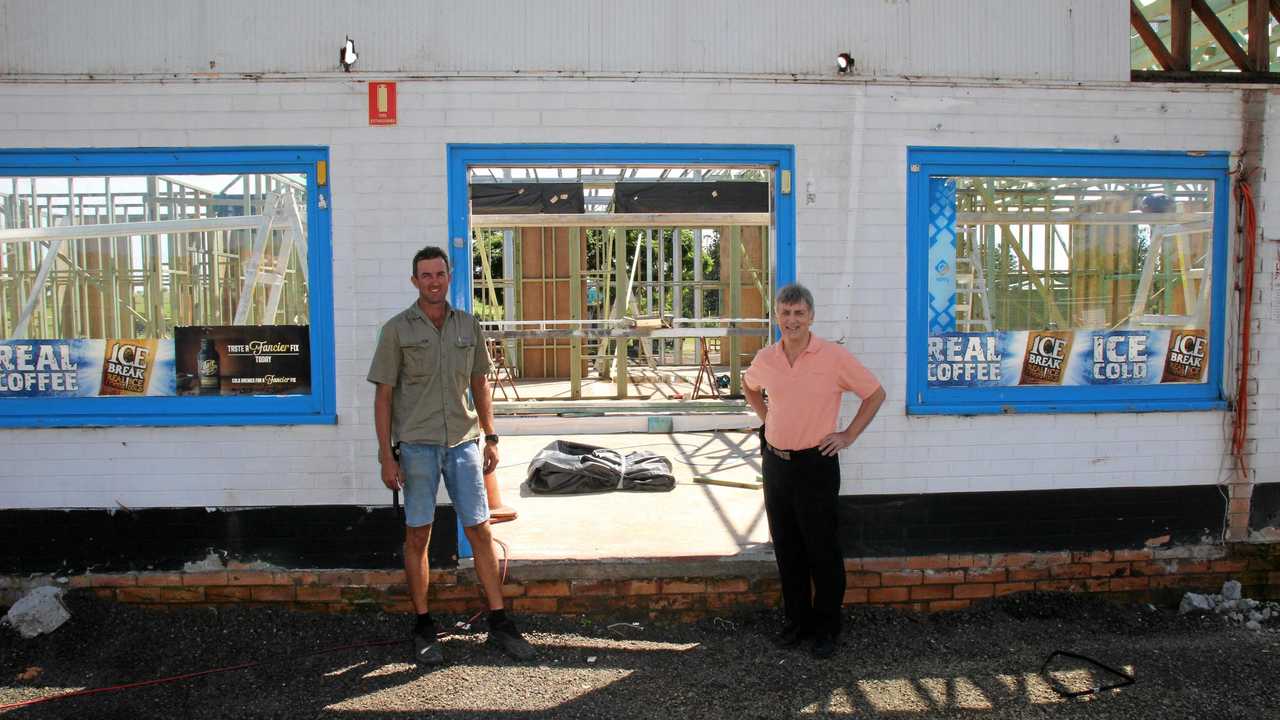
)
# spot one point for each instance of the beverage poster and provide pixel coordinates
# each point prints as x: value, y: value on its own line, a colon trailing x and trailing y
x: 86, y: 368
x: 243, y: 360
x: 1068, y: 358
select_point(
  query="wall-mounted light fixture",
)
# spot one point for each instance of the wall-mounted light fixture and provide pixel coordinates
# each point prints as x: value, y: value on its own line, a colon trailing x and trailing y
x: 844, y: 63
x: 347, y: 55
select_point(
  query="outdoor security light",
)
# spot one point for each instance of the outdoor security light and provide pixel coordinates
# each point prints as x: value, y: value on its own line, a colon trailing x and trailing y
x: 347, y: 55
x: 844, y: 63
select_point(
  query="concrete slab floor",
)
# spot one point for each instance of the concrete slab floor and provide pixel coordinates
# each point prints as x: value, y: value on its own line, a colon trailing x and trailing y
x: 691, y: 520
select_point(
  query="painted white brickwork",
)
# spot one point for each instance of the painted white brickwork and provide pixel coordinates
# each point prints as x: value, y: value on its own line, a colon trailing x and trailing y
x: 1265, y: 389
x: 388, y: 188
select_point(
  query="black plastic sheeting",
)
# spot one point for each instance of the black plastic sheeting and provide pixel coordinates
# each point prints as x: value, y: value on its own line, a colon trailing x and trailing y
x: 526, y: 198
x: 654, y: 197
x: 568, y: 468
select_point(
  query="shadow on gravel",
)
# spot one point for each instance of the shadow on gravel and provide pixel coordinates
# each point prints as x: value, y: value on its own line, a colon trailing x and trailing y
x: 982, y: 662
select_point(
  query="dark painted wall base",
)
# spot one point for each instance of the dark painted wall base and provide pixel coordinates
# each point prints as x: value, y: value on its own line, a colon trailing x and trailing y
x: 1264, y: 509
x: 75, y: 541
x: 892, y: 525
x: 327, y: 537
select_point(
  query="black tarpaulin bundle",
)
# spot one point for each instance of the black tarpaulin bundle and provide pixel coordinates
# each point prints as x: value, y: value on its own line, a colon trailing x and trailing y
x: 525, y: 198
x: 564, y: 468
x: 655, y: 197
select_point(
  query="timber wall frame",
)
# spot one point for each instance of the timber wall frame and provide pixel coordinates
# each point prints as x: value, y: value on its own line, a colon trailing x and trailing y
x: 777, y: 158
x: 1253, y: 62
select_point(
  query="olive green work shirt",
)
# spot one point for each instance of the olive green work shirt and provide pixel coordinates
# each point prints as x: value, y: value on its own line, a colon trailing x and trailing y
x: 431, y: 371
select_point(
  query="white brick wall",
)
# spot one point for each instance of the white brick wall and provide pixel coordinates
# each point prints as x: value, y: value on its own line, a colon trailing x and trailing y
x: 388, y: 189
x: 1265, y: 369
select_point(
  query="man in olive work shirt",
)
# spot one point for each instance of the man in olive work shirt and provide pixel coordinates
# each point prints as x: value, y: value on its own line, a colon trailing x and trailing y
x: 427, y: 358
x: 805, y: 378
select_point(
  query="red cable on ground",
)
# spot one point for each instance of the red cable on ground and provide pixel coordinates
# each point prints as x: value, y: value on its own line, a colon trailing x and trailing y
x: 188, y: 676
x: 1241, y: 430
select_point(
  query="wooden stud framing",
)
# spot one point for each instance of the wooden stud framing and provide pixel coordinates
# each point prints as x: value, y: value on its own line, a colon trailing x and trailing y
x: 1180, y: 34
x: 1149, y: 37
x: 1221, y: 34
x: 1260, y: 35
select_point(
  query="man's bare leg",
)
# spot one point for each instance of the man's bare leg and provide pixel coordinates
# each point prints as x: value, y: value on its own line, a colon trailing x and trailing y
x: 502, y: 630
x: 417, y: 568
x: 486, y: 562
x: 417, y: 571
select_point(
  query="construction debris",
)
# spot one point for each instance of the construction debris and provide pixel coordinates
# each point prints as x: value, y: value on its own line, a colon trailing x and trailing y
x: 39, y: 611
x: 1230, y: 605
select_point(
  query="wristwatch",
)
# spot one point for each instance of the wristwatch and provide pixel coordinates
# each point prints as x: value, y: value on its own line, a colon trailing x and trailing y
x: 491, y: 439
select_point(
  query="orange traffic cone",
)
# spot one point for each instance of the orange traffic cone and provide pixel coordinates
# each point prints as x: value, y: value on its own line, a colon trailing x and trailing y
x: 498, y: 513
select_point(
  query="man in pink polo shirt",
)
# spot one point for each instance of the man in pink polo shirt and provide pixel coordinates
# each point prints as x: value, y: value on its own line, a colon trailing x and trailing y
x: 805, y: 377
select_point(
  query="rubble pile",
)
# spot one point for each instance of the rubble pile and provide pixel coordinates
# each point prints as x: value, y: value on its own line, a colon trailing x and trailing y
x: 1231, y: 606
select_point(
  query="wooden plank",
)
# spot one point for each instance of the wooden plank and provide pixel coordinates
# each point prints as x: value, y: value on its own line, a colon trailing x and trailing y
x: 620, y: 220
x: 734, y: 236
x: 1180, y: 34
x: 1220, y: 33
x: 1077, y: 218
x: 1260, y: 34
x: 745, y: 484
x: 577, y: 296
x: 1199, y: 76
x: 1149, y: 37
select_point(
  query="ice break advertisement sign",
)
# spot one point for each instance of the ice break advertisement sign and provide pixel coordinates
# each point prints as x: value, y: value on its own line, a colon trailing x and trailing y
x: 86, y: 368
x: 1082, y: 357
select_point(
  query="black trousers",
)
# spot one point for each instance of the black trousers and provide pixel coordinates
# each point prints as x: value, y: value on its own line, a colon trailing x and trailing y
x: 800, y: 498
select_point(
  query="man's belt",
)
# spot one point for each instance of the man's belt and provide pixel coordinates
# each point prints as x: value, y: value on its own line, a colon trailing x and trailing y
x: 785, y: 454
x: 788, y: 454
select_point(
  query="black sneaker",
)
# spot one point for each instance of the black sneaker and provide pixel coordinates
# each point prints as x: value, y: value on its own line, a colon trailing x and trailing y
x: 790, y: 636
x: 509, y: 640
x: 426, y: 648
x: 824, y: 646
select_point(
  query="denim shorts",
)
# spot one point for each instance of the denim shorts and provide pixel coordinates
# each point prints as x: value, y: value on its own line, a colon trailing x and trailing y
x: 463, y: 470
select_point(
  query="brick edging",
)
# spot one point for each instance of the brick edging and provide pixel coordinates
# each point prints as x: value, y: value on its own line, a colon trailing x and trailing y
x: 921, y: 583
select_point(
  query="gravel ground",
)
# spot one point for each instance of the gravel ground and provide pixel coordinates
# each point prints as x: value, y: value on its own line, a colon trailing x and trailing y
x: 982, y: 662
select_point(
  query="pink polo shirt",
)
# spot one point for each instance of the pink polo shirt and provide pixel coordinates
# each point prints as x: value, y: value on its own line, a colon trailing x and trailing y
x: 804, y: 399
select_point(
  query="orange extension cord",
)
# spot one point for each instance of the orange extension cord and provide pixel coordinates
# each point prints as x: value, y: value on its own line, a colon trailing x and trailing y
x: 246, y: 665
x: 1248, y: 215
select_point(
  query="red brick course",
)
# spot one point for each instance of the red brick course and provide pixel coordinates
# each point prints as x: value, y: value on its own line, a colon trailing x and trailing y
x: 976, y: 590
x: 900, y: 577
x: 943, y: 577
x: 924, y: 583
x: 888, y: 595
x: 931, y: 592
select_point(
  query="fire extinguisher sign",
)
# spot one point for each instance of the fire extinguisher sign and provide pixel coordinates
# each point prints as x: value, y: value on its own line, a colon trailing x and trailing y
x: 382, y: 103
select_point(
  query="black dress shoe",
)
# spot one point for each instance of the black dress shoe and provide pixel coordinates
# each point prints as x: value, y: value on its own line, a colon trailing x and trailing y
x: 426, y: 648
x: 824, y: 646
x: 790, y: 636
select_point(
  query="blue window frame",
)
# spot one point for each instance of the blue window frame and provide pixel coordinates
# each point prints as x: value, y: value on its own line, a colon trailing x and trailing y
x: 314, y: 407
x: 1065, y: 280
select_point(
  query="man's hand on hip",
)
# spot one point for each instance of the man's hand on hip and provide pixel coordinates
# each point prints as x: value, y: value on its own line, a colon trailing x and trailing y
x: 834, y: 443
x: 490, y: 457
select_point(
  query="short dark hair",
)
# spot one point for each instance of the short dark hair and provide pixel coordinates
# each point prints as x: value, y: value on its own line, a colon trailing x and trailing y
x: 794, y: 294
x: 430, y: 252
